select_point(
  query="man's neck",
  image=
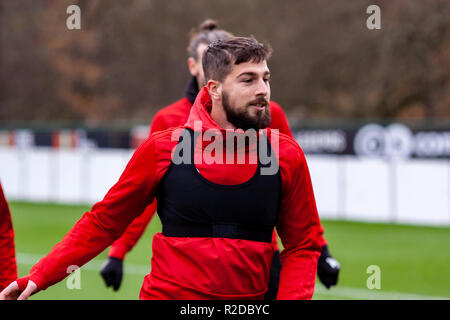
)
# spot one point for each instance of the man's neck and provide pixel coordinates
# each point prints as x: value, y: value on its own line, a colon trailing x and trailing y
x: 219, y: 116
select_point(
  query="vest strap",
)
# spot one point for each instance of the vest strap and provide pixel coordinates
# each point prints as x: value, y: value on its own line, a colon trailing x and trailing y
x: 217, y: 231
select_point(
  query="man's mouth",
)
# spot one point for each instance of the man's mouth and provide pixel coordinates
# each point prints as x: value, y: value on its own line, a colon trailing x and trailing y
x: 259, y: 106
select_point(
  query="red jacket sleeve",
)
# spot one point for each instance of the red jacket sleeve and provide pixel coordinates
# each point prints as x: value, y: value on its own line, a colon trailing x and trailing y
x: 107, y: 219
x: 135, y: 230
x: 158, y: 123
x: 279, y: 120
x: 298, y: 226
x: 8, y: 267
x: 133, y: 233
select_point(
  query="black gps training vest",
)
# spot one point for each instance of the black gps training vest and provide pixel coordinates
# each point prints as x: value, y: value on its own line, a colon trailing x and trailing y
x: 189, y: 205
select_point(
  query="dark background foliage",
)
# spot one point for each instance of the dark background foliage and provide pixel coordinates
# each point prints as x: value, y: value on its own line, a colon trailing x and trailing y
x: 129, y: 58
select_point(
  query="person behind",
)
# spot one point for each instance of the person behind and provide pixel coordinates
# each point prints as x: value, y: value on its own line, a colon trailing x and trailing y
x: 8, y: 267
x: 217, y: 218
x: 177, y: 114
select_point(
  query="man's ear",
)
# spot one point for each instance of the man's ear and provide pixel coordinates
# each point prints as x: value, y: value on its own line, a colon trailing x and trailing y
x: 215, y: 89
x: 192, y: 65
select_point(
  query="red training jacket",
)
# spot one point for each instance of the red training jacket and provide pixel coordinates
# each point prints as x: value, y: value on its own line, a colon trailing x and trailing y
x: 176, y: 115
x: 8, y: 268
x: 199, y: 268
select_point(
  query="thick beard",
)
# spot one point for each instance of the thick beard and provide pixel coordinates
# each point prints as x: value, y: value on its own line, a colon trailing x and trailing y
x: 242, y: 119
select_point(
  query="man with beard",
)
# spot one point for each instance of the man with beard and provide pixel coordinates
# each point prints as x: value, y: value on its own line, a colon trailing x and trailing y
x: 177, y: 114
x: 217, y: 218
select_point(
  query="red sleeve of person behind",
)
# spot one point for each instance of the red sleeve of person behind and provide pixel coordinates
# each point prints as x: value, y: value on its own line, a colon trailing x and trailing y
x: 298, y: 225
x: 8, y: 267
x: 136, y: 229
x: 173, y: 115
x: 132, y: 234
x: 279, y: 121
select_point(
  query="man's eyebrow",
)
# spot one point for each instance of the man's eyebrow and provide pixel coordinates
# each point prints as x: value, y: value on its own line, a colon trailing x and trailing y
x: 252, y: 74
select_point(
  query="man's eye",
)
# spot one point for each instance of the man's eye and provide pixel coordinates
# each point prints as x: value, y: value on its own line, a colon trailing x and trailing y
x: 267, y: 80
x: 247, y: 80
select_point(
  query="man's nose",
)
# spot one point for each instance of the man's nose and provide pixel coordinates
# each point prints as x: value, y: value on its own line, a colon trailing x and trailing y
x: 262, y: 88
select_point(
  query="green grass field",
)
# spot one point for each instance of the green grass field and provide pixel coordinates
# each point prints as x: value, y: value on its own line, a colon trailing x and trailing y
x: 414, y: 261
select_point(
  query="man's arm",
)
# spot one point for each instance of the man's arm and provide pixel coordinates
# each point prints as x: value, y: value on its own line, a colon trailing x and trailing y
x: 158, y: 123
x: 135, y: 230
x: 298, y: 226
x: 327, y: 268
x: 8, y: 267
x: 279, y: 119
x: 132, y: 234
x: 112, y: 269
x: 99, y: 227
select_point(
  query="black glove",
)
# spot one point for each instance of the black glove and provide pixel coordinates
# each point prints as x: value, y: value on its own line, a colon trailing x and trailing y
x: 327, y: 268
x: 112, y: 272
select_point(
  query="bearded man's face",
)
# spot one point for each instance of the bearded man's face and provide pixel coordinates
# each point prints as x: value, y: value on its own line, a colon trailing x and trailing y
x: 246, y: 95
